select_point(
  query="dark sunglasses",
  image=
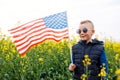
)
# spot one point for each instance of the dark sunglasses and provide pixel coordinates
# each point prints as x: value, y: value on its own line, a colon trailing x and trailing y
x: 84, y: 30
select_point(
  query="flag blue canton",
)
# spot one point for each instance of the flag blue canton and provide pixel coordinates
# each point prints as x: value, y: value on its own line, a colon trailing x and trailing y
x: 56, y: 21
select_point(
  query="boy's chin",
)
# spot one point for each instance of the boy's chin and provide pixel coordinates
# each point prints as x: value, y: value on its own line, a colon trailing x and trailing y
x: 83, y: 39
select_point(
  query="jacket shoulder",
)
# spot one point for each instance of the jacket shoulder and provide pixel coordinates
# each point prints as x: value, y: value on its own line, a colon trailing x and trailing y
x: 95, y: 41
x: 75, y: 46
x: 98, y: 44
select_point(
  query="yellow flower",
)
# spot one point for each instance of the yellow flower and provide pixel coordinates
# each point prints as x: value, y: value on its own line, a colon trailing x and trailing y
x: 109, y: 77
x: 23, y: 70
x: 49, y: 51
x: 102, y: 72
x: 24, y: 56
x: 111, y: 70
x: 117, y: 71
x: 89, y: 63
x: 83, y: 77
x: 118, y: 78
x: 13, y: 50
x: 117, y: 56
x: 4, y: 48
x: 86, y: 56
x: 7, y: 56
x: 86, y: 61
x: 65, y: 61
x: 70, y: 79
x: 40, y: 59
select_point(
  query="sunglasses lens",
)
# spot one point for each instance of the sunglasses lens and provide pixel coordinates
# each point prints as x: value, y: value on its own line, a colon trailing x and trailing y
x: 85, y: 30
x: 78, y: 31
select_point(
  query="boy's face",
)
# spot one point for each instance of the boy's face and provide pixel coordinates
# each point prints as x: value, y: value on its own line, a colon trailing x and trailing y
x: 86, y: 31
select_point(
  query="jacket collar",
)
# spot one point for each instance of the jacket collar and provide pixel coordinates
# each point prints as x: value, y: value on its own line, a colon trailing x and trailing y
x: 92, y: 41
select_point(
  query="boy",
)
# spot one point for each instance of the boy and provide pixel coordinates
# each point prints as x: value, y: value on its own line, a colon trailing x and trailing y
x: 91, y: 47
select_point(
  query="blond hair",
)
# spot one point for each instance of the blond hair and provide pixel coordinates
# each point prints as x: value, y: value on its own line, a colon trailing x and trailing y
x: 87, y: 21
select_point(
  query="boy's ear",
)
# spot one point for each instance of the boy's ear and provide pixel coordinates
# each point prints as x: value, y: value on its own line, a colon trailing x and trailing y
x: 93, y: 31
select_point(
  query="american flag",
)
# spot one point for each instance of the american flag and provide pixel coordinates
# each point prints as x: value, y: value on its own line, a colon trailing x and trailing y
x: 53, y: 27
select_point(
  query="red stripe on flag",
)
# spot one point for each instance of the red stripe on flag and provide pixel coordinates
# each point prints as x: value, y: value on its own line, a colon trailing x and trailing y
x: 33, y: 33
x: 39, y: 41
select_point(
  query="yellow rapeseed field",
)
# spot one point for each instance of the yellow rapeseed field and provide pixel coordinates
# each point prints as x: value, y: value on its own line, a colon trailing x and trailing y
x: 48, y: 61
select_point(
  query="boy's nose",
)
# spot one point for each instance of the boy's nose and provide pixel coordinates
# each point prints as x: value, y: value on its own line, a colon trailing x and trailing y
x: 82, y: 32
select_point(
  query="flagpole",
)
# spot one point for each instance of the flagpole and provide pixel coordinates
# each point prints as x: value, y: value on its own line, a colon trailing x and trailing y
x: 69, y: 40
x: 71, y: 51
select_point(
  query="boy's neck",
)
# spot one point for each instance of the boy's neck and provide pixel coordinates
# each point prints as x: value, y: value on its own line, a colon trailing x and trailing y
x: 86, y: 42
x: 90, y: 40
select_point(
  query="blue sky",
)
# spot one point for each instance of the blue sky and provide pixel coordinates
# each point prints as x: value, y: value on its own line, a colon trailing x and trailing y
x: 105, y: 14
